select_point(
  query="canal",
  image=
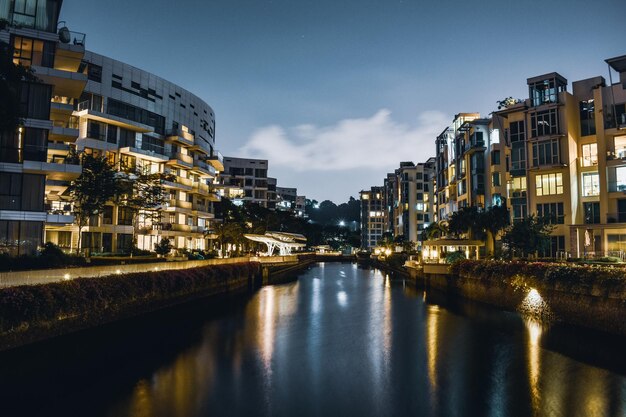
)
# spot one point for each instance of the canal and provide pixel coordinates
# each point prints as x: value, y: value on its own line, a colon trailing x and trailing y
x: 342, y: 340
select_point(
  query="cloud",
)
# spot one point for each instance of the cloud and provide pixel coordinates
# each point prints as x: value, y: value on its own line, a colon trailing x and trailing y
x: 374, y: 142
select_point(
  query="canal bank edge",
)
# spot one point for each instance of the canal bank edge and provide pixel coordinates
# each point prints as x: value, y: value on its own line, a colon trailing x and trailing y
x: 591, y: 297
x: 32, y: 313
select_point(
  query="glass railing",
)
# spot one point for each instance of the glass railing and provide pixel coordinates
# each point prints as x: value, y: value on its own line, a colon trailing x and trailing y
x: 619, y: 217
x: 616, y: 186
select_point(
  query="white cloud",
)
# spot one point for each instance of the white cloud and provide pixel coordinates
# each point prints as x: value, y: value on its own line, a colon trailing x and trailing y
x: 374, y: 142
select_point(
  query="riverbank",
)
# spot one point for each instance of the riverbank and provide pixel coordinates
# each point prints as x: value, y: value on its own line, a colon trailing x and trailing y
x: 30, y: 313
x: 55, y: 303
x: 587, y: 296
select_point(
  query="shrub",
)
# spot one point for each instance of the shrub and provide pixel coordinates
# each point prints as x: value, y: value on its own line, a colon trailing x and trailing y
x: 452, y: 257
x: 41, y: 305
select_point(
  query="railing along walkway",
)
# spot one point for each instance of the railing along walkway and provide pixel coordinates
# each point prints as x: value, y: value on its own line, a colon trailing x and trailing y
x: 42, y: 276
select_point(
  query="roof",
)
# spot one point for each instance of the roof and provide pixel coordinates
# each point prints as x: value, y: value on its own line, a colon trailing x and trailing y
x: 618, y: 63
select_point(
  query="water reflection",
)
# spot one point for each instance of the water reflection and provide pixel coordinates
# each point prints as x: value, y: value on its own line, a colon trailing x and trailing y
x: 340, y: 341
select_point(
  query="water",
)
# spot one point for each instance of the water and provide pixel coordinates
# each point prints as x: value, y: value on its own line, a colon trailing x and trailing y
x: 340, y: 341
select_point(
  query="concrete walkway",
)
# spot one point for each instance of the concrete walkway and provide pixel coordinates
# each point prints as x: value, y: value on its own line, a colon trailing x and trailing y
x: 42, y: 276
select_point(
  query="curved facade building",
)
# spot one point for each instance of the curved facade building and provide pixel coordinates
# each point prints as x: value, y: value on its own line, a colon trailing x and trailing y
x: 139, y: 120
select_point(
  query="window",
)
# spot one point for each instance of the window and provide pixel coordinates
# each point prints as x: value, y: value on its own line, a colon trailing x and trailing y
x: 35, y: 100
x: 26, y: 144
x: 127, y: 162
x: 590, y: 155
x: 517, y: 187
x: 516, y: 131
x: 495, y: 157
x: 22, y: 192
x: 591, y: 184
x: 36, y: 14
x: 136, y: 114
x: 620, y: 180
x: 124, y: 216
x: 546, y: 152
x: 495, y: 179
x: 587, y: 118
x: 544, y: 123
x: 29, y: 52
x: 94, y: 73
x: 107, y: 215
x: 20, y: 237
x: 555, y: 245
x: 96, y: 130
x: 149, y: 143
x: 64, y: 239
x: 549, y: 184
x: 124, y: 242
x: 546, y: 91
x: 591, y: 212
x: 518, y: 156
x: 619, y: 143
x: 552, y: 211
x: 519, y: 209
x: 127, y: 138
x: 419, y: 196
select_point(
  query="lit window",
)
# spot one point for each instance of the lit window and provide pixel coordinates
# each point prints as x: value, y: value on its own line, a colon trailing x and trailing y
x: 590, y: 155
x: 549, y: 184
x: 591, y: 184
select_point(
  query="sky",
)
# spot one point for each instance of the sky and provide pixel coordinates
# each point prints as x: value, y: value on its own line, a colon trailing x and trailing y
x: 335, y: 93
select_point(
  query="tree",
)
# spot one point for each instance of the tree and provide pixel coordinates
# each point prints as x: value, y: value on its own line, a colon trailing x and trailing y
x: 90, y: 192
x: 494, y: 220
x: 528, y: 236
x: 143, y: 194
x: 466, y: 221
x: 163, y: 247
x: 434, y: 231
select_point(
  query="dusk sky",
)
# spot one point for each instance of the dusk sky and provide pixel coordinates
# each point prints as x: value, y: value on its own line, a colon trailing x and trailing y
x: 336, y: 93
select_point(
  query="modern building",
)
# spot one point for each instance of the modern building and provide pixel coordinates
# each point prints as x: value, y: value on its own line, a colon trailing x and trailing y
x: 36, y: 160
x: 143, y: 122
x: 286, y: 198
x: 272, y: 196
x: 373, y: 218
x: 249, y: 175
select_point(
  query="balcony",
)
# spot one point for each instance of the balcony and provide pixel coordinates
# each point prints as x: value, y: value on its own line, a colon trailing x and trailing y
x: 187, y: 205
x: 64, y: 131
x: 178, y: 136
x: 84, y: 111
x: 216, y: 160
x: 70, y: 50
x: 59, y: 219
x: 63, y: 169
x: 144, y: 154
x: 203, y: 169
x: 65, y: 83
x: 180, y: 183
x: 180, y: 160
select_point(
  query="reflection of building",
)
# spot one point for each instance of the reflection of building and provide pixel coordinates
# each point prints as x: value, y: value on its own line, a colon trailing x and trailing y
x: 249, y: 175
x: 141, y: 121
x: 35, y: 160
x: 372, y: 217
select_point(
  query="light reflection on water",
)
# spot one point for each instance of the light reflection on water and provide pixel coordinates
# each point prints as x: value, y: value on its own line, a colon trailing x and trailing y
x: 350, y: 341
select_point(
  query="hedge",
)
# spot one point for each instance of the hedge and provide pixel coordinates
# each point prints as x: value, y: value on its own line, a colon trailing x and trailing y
x: 542, y: 274
x: 42, y: 305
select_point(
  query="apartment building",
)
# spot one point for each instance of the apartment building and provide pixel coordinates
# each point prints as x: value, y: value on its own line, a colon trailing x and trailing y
x: 35, y: 160
x: 567, y: 156
x: 143, y: 122
x: 286, y: 198
x: 272, y: 196
x: 248, y: 175
x: 410, y: 199
x: 373, y: 218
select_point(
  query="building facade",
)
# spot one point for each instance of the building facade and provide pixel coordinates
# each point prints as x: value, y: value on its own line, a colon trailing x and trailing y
x: 410, y: 199
x: 247, y: 175
x: 142, y: 122
x: 373, y: 218
x: 36, y: 159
